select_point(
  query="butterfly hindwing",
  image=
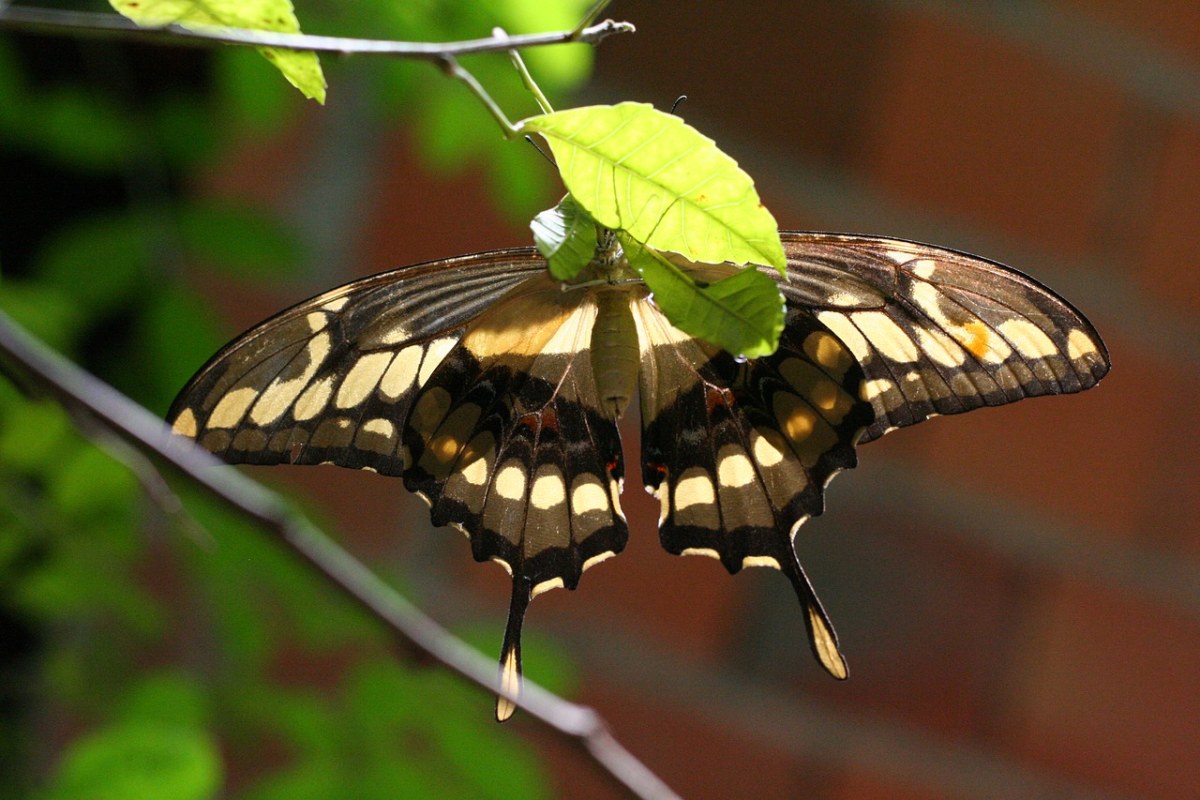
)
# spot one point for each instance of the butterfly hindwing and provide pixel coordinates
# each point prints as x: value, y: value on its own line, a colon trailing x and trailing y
x: 508, y: 443
x: 937, y: 331
x: 738, y: 452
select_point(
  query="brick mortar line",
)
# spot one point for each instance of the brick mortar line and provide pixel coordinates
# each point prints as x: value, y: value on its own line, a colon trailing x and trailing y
x: 1015, y: 531
x: 1154, y: 74
x: 760, y: 710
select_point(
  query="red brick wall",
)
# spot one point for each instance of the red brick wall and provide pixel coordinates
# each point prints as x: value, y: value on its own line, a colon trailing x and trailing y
x: 1018, y: 590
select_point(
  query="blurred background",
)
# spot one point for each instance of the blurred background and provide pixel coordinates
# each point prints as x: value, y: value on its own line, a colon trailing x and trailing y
x: 1017, y: 590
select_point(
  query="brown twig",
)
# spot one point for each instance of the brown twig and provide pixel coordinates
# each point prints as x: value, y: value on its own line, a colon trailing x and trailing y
x: 76, y: 23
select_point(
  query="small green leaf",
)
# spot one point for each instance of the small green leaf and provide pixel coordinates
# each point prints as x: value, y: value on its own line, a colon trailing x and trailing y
x: 169, y: 698
x: 34, y: 437
x: 638, y: 170
x: 85, y: 130
x: 132, y: 761
x: 566, y: 236
x: 101, y: 261
x: 302, y: 69
x: 741, y: 312
x: 45, y: 311
x: 239, y: 240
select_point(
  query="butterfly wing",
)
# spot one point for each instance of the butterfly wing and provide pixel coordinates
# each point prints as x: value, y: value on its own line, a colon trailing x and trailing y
x: 937, y: 331
x: 509, y: 443
x: 738, y: 452
x: 880, y: 333
x: 470, y: 378
x: 332, y: 379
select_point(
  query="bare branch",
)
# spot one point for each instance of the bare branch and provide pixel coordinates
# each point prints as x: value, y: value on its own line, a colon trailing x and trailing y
x: 84, y: 395
x: 53, y: 21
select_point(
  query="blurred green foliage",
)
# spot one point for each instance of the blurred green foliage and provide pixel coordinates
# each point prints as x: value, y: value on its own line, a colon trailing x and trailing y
x: 98, y: 587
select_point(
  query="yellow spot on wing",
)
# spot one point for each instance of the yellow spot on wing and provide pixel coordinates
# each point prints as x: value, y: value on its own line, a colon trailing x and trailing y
x: 768, y: 451
x: 694, y: 488
x: 434, y: 353
x: 1029, y: 339
x: 707, y: 552
x: 588, y: 496
x: 796, y: 419
x: 545, y: 586
x: 548, y: 488
x: 510, y: 482
x: 510, y: 682
x: 281, y: 393
x: 844, y: 329
x: 827, y: 351
x: 362, y: 379
x: 1079, y: 344
x: 402, y: 372
x: 888, y: 337
x: 185, y: 424
x: 596, y: 559
x: 232, y: 408
x: 734, y: 469
x: 314, y: 399
x: 476, y: 472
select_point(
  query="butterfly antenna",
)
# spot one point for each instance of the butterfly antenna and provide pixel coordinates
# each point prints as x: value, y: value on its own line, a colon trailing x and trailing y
x: 529, y: 138
x: 678, y: 101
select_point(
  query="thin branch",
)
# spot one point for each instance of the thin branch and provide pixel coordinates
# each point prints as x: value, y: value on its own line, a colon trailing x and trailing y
x: 73, y: 23
x: 82, y: 394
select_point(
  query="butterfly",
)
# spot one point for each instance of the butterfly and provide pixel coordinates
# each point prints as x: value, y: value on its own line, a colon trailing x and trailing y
x: 494, y: 391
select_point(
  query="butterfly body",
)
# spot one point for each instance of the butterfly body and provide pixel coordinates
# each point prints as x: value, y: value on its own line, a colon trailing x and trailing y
x: 493, y: 390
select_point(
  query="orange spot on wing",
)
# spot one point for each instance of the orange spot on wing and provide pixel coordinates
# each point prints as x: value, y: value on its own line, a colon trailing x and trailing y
x: 978, y: 338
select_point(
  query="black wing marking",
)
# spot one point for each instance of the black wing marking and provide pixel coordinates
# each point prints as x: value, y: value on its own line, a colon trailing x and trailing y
x: 739, y: 452
x: 509, y: 444
x: 332, y: 379
x: 937, y: 331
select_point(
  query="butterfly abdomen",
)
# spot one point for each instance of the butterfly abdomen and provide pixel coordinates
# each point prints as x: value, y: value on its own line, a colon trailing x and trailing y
x: 615, y: 353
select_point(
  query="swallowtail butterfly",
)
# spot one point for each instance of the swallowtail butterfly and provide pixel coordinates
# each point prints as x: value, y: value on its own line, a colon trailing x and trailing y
x: 493, y: 391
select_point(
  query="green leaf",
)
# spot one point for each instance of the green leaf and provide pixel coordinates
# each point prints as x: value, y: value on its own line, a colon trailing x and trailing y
x: 34, y: 437
x: 171, y: 698
x: 302, y: 69
x: 44, y: 311
x: 741, y: 311
x: 101, y: 261
x: 82, y: 129
x: 647, y: 173
x: 566, y: 236
x: 140, y: 761
x: 239, y: 240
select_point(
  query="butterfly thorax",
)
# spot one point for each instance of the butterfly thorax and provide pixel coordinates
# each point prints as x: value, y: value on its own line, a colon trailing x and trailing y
x: 615, y: 356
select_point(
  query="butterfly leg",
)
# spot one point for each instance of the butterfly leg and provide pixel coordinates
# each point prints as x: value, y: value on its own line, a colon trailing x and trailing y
x: 821, y: 635
x: 510, y: 652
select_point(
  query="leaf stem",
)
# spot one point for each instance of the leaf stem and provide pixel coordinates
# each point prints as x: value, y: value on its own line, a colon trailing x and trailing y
x: 526, y: 78
x: 455, y: 70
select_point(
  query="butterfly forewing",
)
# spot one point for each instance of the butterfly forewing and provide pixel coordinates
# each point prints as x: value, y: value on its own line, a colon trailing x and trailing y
x: 331, y: 379
x: 937, y: 331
